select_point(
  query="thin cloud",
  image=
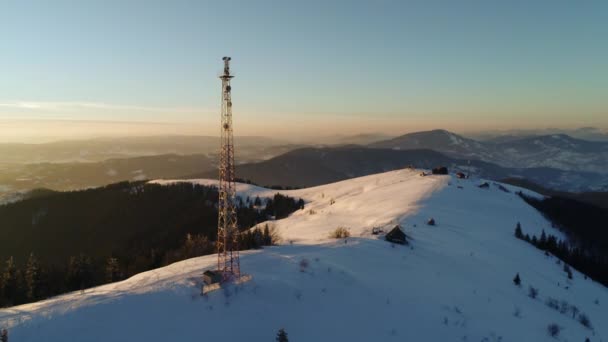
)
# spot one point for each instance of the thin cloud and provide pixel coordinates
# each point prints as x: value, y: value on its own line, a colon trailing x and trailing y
x: 69, y: 106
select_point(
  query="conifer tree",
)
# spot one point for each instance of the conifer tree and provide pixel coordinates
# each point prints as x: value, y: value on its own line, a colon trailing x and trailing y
x: 188, y: 248
x: 10, y: 282
x: 518, y: 233
x: 267, y: 238
x: 32, y: 278
x: 542, y: 243
x: 112, y: 270
x: 282, y: 336
x: 301, y: 204
x: 258, y: 238
x: 79, y: 272
x: 517, y: 280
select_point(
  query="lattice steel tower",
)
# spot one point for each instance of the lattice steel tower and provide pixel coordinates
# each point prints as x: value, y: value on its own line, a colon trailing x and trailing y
x: 227, y: 231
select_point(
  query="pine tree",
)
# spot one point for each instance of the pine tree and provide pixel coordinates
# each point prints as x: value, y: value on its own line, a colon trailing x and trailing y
x: 79, y: 272
x: 518, y: 233
x: 188, y: 247
x: 301, y: 204
x: 532, y: 292
x: 112, y: 270
x: 534, y: 240
x: 282, y: 336
x: 267, y: 238
x: 551, y: 243
x: 32, y: 278
x: 10, y: 282
x: 542, y: 243
x: 517, y: 280
x: 258, y: 238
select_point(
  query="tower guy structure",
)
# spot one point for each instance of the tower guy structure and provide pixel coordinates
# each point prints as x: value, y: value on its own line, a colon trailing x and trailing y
x: 228, y: 264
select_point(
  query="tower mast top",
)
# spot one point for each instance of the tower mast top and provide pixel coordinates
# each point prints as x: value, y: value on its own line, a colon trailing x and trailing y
x: 226, y: 74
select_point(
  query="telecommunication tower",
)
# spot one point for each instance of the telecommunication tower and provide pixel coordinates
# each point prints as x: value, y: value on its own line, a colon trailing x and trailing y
x: 228, y: 264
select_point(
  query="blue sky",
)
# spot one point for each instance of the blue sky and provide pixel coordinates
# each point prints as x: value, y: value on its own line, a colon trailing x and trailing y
x: 363, y: 65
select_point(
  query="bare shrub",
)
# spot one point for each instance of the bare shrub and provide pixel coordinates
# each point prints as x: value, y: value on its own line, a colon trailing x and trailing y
x: 275, y: 237
x: 574, y: 310
x: 532, y: 292
x: 584, y: 320
x: 553, y: 330
x: 552, y: 303
x: 564, y: 307
x: 517, y: 312
x: 340, y: 233
x: 304, y: 264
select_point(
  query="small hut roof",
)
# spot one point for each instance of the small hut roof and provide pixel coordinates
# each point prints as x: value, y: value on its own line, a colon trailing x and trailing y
x: 396, y: 235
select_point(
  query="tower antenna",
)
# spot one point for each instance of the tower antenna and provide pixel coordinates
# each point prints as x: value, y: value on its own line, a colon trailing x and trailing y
x: 228, y: 263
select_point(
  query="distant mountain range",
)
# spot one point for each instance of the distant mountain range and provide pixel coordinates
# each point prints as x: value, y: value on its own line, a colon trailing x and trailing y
x: 584, y: 133
x: 556, y: 151
x: 558, y: 162
x: 95, y: 150
x: 315, y: 166
x: 17, y: 179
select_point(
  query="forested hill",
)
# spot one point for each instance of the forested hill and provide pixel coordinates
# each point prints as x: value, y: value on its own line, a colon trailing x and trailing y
x: 123, y: 218
x: 89, y: 237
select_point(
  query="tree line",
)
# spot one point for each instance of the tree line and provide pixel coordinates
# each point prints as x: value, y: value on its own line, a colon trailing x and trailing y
x: 584, y: 224
x: 592, y: 265
x: 131, y: 228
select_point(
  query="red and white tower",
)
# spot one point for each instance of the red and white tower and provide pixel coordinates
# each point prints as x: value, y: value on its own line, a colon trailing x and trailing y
x: 227, y: 230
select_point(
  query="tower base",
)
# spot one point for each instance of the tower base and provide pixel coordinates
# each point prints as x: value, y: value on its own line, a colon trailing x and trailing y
x: 217, y: 283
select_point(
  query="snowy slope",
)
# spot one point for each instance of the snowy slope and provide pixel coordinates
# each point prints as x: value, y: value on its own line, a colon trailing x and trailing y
x: 453, y: 284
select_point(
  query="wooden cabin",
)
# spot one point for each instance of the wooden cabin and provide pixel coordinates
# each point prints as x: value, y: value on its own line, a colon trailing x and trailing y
x: 396, y: 236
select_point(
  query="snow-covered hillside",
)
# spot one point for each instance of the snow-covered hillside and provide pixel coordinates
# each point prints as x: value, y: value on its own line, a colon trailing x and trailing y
x: 453, y: 283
